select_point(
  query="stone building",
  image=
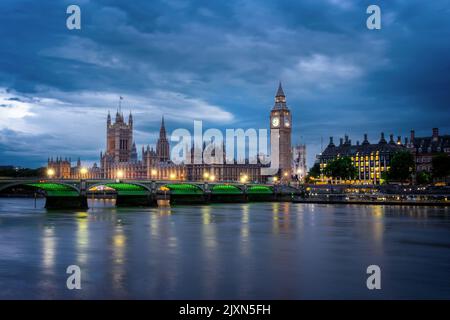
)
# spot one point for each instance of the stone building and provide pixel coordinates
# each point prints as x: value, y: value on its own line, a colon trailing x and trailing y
x: 299, y: 162
x: 280, y: 129
x: 63, y: 169
x: 424, y: 148
x: 370, y: 159
x: 120, y: 160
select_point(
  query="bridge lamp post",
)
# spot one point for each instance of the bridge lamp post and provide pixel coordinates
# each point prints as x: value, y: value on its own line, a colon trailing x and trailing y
x: 206, y: 175
x: 83, y: 172
x: 119, y: 175
x: 212, y: 178
x: 50, y: 173
x: 173, y: 176
x: 153, y: 173
x: 244, y: 178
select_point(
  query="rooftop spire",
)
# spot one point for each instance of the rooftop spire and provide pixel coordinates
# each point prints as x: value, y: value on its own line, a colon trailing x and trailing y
x: 120, y: 104
x: 280, y: 98
x: 162, y: 130
x: 280, y: 92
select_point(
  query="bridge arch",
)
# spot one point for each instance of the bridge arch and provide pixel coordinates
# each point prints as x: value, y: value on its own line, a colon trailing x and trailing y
x: 225, y: 189
x: 182, y: 188
x: 124, y: 188
x: 51, y: 188
x: 259, y: 189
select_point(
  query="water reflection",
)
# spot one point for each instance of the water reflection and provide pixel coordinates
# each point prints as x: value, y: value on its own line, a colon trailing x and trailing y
x: 225, y: 251
x: 82, y: 238
x: 275, y: 222
x: 281, y: 220
x: 48, y: 249
x: 118, y: 268
x: 210, y: 251
x: 378, y: 227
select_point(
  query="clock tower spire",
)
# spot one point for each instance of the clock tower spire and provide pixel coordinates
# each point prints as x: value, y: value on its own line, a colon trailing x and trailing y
x: 280, y: 129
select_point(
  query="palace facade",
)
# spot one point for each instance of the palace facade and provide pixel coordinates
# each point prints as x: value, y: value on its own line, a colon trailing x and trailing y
x: 120, y: 159
x: 425, y: 148
x: 370, y: 159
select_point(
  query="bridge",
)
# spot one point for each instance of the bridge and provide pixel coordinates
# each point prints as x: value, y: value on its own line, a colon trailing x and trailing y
x: 74, y: 193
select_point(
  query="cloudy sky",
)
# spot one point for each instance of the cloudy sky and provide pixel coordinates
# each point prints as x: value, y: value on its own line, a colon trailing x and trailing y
x: 220, y: 62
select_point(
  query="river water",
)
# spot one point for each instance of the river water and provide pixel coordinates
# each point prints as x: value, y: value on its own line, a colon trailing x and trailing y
x: 224, y: 251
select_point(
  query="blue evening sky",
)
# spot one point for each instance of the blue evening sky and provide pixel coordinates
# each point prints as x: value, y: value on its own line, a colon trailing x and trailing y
x: 220, y: 62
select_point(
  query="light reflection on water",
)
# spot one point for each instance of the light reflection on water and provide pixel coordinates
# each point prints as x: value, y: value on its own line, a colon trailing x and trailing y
x: 243, y: 251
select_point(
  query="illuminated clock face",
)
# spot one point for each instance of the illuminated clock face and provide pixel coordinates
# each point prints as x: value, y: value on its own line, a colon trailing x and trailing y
x: 286, y: 122
x: 275, y: 121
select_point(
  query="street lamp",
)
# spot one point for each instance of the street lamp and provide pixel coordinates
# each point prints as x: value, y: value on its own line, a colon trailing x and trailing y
x: 206, y: 175
x: 244, y: 178
x: 119, y: 174
x: 50, y: 172
x: 154, y: 172
x: 173, y: 176
x: 212, y: 178
x: 83, y: 171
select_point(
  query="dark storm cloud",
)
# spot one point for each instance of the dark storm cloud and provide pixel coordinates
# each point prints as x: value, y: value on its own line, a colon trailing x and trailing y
x: 222, y: 60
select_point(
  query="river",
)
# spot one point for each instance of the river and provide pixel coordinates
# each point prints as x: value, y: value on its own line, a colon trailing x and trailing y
x: 224, y: 251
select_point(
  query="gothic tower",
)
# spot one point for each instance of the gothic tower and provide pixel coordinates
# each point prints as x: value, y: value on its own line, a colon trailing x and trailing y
x: 119, y: 138
x: 162, y: 145
x: 280, y: 129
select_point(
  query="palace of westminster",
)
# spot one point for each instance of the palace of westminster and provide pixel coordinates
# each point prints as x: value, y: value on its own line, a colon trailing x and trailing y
x: 120, y: 160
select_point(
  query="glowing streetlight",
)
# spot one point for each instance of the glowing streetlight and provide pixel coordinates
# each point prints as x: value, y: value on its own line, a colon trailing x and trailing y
x: 212, y: 178
x: 285, y: 174
x: 206, y: 175
x: 119, y: 174
x: 275, y: 179
x: 173, y: 176
x: 244, y: 178
x: 50, y: 172
x: 83, y: 171
x: 153, y: 172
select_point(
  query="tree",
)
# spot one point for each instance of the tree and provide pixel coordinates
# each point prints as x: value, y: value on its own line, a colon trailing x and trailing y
x: 441, y: 165
x: 401, y: 167
x: 341, y: 168
x: 315, y: 170
x: 423, y: 177
x: 23, y: 172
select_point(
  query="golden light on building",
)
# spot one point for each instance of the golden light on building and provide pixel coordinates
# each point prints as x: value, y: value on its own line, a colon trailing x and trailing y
x: 83, y: 171
x: 173, y: 176
x: 119, y: 174
x: 153, y: 172
x: 244, y: 178
x: 285, y: 174
x: 50, y: 172
x: 206, y: 175
x: 275, y: 179
x: 212, y: 178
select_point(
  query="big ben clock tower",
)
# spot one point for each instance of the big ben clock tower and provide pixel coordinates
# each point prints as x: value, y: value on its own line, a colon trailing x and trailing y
x: 280, y: 128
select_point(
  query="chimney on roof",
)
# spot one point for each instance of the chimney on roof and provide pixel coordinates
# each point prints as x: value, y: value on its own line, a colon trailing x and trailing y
x: 365, y: 141
x: 435, y: 134
x: 331, y: 142
x: 382, y: 139
x: 391, y: 139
